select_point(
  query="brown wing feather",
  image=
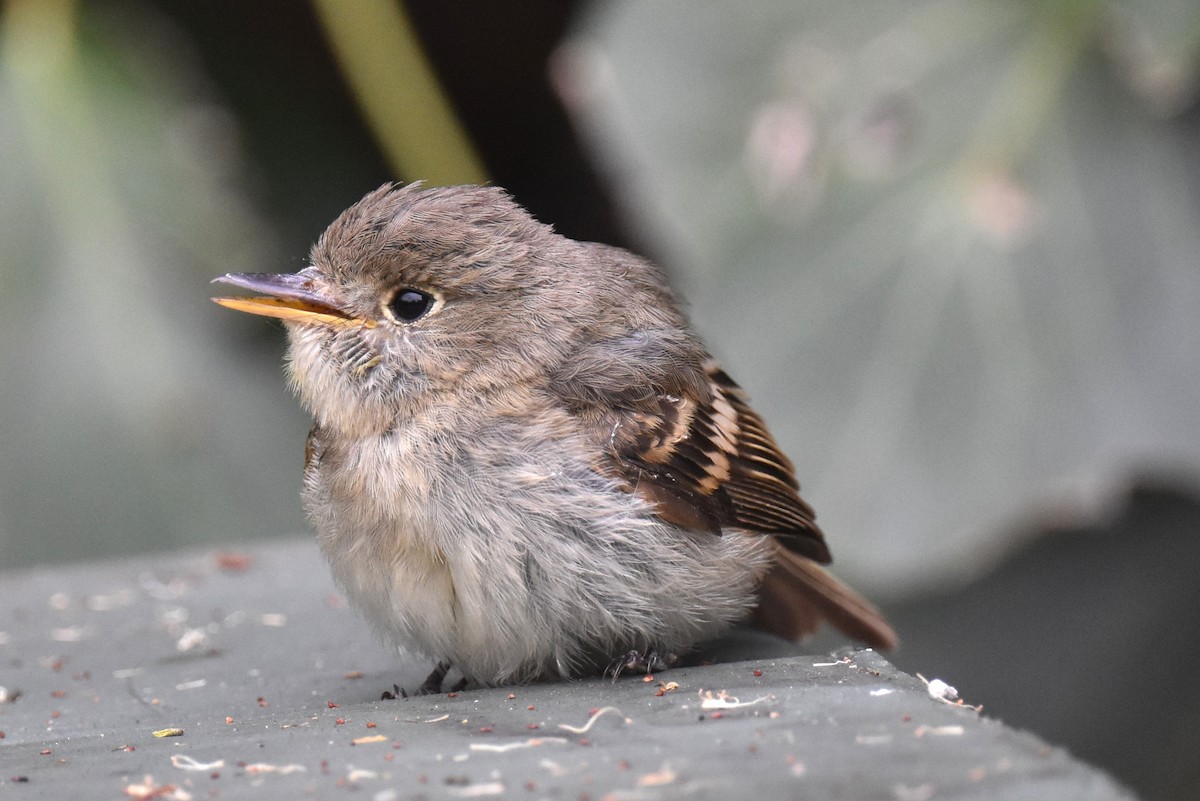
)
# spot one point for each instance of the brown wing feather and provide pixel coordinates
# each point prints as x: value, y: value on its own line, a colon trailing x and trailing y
x: 710, y: 463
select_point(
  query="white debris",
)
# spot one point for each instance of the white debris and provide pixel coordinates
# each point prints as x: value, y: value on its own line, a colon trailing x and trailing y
x: 723, y: 700
x: 185, y: 762
x: 587, y: 726
x: 942, y: 691
x: 532, y: 742
x: 191, y: 640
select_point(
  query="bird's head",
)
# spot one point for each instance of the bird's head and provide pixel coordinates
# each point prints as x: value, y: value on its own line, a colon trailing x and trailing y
x: 414, y: 291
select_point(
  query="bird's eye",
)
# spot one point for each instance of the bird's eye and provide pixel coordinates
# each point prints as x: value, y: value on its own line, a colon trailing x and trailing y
x: 410, y: 304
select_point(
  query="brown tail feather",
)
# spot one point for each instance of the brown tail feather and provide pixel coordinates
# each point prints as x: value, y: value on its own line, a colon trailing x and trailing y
x: 797, y: 594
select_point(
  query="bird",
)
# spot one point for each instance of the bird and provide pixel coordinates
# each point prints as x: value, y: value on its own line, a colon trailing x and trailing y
x: 524, y: 463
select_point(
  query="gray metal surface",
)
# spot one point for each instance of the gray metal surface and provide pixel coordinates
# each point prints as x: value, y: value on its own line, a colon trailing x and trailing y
x: 276, y: 686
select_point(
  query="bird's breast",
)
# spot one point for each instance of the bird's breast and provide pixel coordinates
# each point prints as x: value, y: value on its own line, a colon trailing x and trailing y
x: 369, y: 499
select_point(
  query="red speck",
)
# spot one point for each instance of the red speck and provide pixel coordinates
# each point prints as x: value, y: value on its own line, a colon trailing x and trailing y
x: 216, y: 774
x: 717, y: 715
x: 128, y: 748
x: 340, y: 721
x: 233, y: 562
x: 45, y: 752
x: 593, y: 711
x: 534, y: 726
x: 647, y: 678
x: 371, y: 724
x: 512, y: 696
x: 331, y: 705
x: 228, y: 719
x: 1, y: 735
x: 56, y: 665
x: 531, y: 786
x: 325, y: 767
x: 262, y: 701
x: 389, y: 756
x: 58, y: 693
x: 55, y: 714
x: 452, y: 694
x: 482, y: 730
x: 757, y: 674
x: 396, y: 746
x: 531, y: 708
x: 584, y: 741
x: 623, y: 765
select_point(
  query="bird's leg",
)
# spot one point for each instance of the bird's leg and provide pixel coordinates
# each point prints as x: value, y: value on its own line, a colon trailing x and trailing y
x: 433, y: 682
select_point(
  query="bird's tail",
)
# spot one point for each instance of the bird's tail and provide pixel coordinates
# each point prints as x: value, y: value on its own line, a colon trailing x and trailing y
x: 798, y: 594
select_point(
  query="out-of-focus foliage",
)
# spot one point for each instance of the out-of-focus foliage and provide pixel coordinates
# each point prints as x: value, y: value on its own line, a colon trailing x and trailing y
x: 127, y: 418
x: 398, y: 92
x: 951, y: 247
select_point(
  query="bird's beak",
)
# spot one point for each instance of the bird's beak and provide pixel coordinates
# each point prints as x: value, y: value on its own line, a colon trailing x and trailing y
x: 289, y: 296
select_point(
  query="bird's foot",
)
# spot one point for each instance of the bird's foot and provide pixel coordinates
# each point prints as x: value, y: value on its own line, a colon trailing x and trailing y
x: 391, y: 695
x: 431, y: 686
x: 646, y: 661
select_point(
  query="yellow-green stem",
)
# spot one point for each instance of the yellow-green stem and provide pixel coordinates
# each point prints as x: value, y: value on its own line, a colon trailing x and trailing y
x: 399, y: 95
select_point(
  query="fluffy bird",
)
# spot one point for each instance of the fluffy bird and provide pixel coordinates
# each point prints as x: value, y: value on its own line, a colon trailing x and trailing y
x: 524, y: 463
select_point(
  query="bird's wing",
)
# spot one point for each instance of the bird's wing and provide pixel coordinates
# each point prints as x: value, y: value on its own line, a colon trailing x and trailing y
x: 706, y: 461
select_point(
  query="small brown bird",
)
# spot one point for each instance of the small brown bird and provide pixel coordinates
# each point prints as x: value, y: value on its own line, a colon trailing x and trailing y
x: 524, y: 463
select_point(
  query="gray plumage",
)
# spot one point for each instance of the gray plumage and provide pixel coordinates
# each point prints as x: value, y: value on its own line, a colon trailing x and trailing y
x: 544, y: 469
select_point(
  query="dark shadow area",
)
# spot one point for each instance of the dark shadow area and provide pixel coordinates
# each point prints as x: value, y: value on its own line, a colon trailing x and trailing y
x: 315, y: 153
x: 1087, y: 637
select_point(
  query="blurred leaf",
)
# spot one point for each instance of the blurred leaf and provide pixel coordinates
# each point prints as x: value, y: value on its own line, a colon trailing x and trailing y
x: 950, y: 256
x: 127, y: 417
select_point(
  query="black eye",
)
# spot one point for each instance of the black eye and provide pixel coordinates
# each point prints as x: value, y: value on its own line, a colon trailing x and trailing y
x: 410, y: 304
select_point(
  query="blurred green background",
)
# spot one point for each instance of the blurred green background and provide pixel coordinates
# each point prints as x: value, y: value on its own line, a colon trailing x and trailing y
x: 951, y: 248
